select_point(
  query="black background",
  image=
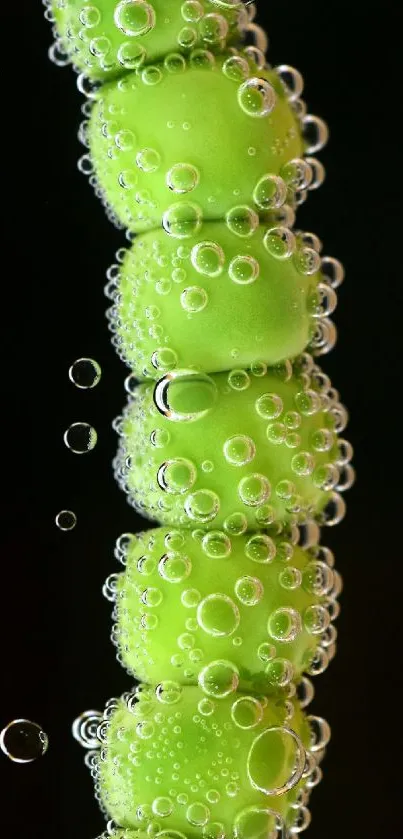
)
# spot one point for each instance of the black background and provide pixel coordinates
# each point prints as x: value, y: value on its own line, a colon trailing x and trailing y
x: 56, y: 656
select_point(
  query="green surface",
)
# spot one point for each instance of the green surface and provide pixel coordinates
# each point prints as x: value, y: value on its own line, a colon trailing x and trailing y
x: 183, y: 141
x: 106, y: 37
x: 180, y: 760
x: 219, y: 298
x: 234, y: 450
x: 188, y: 599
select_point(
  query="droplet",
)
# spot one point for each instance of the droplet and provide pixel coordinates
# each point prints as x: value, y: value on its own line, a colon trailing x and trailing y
x: 183, y: 178
x: 208, y: 258
x: 216, y: 544
x: 181, y: 221
x: 260, y: 548
x: 244, y: 270
x: 247, y: 712
x: 80, y: 437
x: 202, y: 506
x: 85, y: 373
x: 218, y: 615
x: 284, y: 625
x: 258, y: 823
x: 249, y: 590
x: 280, y: 242
x: 219, y: 678
x: 254, y: 490
x: 177, y: 476
x: 174, y: 567
x: 276, y: 761
x: 239, y: 450
x: 66, y: 520
x: 270, y: 192
x: 134, y: 17
x: 242, y: 221
x: 256, y: 97
x: 23, y: 741
x: 194, y: 299
x: 185, y: 396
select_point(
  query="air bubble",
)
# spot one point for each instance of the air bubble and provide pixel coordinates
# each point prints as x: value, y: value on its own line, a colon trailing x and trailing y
x: 192, y: 11
x: 208, y: 258
x: 236, y: 68
x: 23, y: 741
x: 174, y: 567
x: 168, y: 692
x: 242, y: 221
x: 218, y: 615
x: 249, y: 590
x: 236, y: 524
x: 213, y: 28
x: 134, y: 17
x: 254, y: 490
x: 270, y: 192
x: 239, y: 450
x: 290, y: 578
x: 182, y: 221
x: 279, y: 672
x: 182, y: 178
x: 185, y: 396
x: 307, y: 261
x: 194, y: 299
x: 292, y: 81
x: 216, y: 544
x: 66, y: 520
x: 244, y: 270
x: 320, y: 733
x: 258, y: 823
x: 284, y: 625
x: 165, y: 358
x: 131, y: 55
x: 177, y: 476
x: 148, y: 160
x: 280, y: 242
x: 80, y: 438
x: 85, y: 373
x: 247, y: 712
x: 197, y: 814
x: 202, y: 506
x: 316, y: 619
x: 256, y: 97
x: 269, y: 406
x: 85, y: 729
x: 276, y: 761
x: 315, y: 133
x: 317, y: 578
x: 219, y: 679
x: 260, y: 548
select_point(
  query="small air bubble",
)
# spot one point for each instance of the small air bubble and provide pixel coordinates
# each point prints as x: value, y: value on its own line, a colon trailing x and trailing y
x: 85, y: 373
x: 80, y: 437
x: 66, y: 520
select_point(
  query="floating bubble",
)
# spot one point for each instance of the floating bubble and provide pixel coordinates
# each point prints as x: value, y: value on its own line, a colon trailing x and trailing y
x: 247, y: 712
x: 270, y: 192
x: 85, y: 373
x: 182, y: 178
x: 218, y: 615
x: 177, y: 476
x: 260, y: 548
x: 194, y: 299
x: 239, y: 450
x: 208, y: 258
x: 80, y: 437
x: 174, y: 567
x: 66, y: 520
x: 249, y: 590
x: 244, y: 270
x: 181, y: 221
x: 23, y: 741
x: 254, y: 490
x: 284, y: 625
x: 219, y: 678
x: 202, y: 506
x: 242, y: 221
x: 216, y: 544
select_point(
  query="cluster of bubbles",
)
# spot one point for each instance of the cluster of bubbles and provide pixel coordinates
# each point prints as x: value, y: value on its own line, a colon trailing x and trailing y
x: 306, y: 429
x: 296, y: 591
x: 237, y: 740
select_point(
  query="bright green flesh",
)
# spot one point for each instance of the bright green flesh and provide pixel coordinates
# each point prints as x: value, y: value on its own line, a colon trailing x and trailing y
x: 153, y: 120
x: 196, y: 298
x: 189, y: 599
